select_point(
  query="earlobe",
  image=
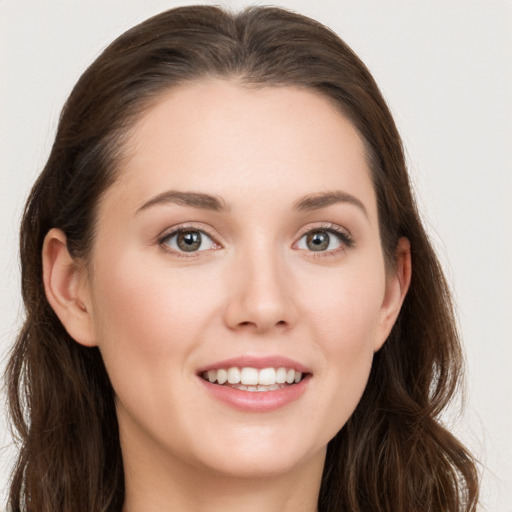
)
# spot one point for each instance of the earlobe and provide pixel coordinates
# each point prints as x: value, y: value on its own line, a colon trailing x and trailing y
x: 66, y: 289
x: 397, y: 286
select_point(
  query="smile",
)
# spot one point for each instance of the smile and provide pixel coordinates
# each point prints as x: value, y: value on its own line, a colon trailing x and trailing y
x: 253, y: 379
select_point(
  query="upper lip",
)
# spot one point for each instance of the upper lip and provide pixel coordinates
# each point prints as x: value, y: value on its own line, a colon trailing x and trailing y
x: 257, y: 362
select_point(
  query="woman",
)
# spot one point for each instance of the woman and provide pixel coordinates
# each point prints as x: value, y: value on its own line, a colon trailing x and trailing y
x: 235, y: 303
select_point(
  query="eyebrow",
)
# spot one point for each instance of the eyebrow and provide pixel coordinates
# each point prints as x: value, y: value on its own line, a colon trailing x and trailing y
x: 218, y: 204
x: 325, y: 199
x: 193, y: 199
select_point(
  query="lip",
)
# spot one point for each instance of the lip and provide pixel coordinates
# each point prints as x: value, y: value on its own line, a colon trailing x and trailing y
x: 256, y: 362
x: 252, y: 401
x: 256, y: 401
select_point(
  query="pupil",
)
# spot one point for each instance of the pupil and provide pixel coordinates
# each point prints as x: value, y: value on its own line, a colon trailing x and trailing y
x: 189, y: 241
x: 318, y: 241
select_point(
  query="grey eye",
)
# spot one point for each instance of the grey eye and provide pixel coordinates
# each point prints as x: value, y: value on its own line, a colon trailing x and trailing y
x: 189, y: 240
x: 319, y: 240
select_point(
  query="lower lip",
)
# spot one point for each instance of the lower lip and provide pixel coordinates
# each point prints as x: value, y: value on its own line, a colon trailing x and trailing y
x: 257, y: 401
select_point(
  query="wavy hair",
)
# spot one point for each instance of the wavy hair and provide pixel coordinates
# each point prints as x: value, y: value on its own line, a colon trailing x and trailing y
x: 393, y: 454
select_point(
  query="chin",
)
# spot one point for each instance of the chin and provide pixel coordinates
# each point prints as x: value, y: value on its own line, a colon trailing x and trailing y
x: 257, y: 467
x: 257, y: 458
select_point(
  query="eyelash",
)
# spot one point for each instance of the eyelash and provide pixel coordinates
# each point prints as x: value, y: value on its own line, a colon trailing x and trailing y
x: 342, y: 234
x: 162, y: 241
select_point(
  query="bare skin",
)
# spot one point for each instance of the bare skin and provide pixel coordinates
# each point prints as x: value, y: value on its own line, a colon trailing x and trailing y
x: 275, y: 273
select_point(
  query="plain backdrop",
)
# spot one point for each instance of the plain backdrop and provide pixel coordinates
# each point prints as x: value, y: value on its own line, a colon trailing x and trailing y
x: 445, y: 68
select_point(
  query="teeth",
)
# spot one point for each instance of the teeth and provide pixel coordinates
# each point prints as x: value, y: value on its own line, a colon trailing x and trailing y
x: 258, y: 388
x: 222, y: 376
x: 252, y: 379
x: 249, y: 376
x: 233, y: 375
x: 267, y: 376
x: 281, y: 375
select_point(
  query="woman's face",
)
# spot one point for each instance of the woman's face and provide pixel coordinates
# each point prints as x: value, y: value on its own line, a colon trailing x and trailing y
x: 242, y: 234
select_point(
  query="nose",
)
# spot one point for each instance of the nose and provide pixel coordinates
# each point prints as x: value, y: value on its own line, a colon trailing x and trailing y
x: 260, y: 297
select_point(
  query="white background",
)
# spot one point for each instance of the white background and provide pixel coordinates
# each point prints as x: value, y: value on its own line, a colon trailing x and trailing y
x: 445, y: 68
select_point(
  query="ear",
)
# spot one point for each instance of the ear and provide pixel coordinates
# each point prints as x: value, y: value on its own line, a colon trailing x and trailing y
x: 397, y: 285
x: 66, y: 287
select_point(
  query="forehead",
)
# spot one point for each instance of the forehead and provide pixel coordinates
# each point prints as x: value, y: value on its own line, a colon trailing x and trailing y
x: 220, y: 137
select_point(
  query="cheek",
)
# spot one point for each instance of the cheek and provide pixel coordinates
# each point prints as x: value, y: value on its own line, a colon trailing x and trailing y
x: 347, y: 330
x: 344, y: 317
x: 345, y: 304
x: 147, y: 308
x: 148, y: 320
x: 130, y: 317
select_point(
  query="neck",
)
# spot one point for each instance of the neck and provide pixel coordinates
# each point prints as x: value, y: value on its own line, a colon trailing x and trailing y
x: 175, y: 485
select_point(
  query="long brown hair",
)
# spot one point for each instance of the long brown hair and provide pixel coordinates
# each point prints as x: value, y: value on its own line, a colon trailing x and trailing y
x: 393, y: 455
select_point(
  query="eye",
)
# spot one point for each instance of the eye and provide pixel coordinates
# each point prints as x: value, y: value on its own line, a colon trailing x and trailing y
x: 323, y: 240
x: 188, y: 240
